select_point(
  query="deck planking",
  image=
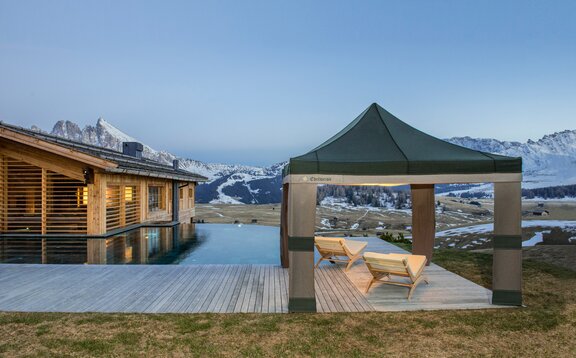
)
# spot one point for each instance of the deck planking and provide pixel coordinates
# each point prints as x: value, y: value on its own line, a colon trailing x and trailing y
x: 222, y: 288
x: 162, y: 289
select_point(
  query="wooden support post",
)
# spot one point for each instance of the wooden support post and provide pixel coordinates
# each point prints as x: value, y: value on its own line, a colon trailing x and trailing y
x: 44, y: 252
x: 167, y: 196
x: 44, y: 202
x: 423, y: 220
x: 4, y: 194
x: 96, y: 251
x: 284, y: 261
x: 507, y: 259
x: 44, y: 211
x: 143, y: 201
x: 96, y: 208
x: 301, y: 227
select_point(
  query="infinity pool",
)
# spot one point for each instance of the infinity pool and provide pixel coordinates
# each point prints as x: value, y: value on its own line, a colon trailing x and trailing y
x: 184, y: 244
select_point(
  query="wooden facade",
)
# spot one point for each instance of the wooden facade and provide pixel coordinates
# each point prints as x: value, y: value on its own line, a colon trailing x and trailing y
x: 50, y: 189
x: 122, y: 200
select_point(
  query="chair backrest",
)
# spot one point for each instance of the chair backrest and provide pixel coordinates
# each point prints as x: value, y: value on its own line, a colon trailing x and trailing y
x: 415, y: 265
x: 386, y: 263
x: 329, y: 244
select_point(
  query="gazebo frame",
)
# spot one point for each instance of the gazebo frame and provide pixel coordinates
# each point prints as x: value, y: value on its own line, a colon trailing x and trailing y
x: 298, y: 215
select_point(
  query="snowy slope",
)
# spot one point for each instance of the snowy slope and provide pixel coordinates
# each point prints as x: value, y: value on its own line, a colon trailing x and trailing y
x: 549, y: 161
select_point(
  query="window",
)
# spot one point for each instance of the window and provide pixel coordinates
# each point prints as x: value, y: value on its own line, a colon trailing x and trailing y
x: 113, y: 210
x: 81, y: 196
x: 129, y: 193
x: 132, y: 204
x: 181, y: 198
x: 156, y: 198
x: 190, y: 197
x: 122, y: 205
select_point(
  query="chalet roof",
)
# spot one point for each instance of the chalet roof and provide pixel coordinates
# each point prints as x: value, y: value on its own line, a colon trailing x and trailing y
x: 126, y: 164
x: 378, y: 143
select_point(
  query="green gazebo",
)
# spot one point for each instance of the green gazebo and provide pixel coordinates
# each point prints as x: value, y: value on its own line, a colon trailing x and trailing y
x: 379, y: 149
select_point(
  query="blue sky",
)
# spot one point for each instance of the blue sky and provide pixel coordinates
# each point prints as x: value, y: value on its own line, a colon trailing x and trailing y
x: 256, y: 82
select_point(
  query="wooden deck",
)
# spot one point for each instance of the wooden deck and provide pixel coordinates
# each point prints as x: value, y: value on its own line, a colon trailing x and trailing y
x: 170, y: 288
x: 222, y: 288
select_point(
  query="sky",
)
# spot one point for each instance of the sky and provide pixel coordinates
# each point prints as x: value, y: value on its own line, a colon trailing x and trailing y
x: 257, y: 82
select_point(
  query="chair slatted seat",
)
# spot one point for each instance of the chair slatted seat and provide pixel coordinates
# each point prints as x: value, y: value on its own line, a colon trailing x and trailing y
x: 383, y: 266
x: 338, y: 249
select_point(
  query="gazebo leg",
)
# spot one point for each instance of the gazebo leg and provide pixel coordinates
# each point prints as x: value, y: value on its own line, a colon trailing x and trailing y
x: 301, y: 226
x: 284, y: 260
x: 423, y: 220
x: 507, y: 260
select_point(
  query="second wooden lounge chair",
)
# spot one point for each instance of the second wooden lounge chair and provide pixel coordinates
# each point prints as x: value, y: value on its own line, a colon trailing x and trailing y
x: 331, y: 248
x: 382, y: 266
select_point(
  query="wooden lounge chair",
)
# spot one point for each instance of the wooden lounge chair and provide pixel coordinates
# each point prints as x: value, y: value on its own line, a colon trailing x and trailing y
x: 339, y: 249
x: 383, y: 266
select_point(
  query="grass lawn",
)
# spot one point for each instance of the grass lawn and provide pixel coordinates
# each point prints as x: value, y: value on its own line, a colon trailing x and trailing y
x: 546, y: 327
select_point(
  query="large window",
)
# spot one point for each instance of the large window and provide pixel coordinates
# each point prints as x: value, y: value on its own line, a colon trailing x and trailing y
x: 132, y: 204
x: 113, y: 207
x: 156, y: 198
x: 122, y: 205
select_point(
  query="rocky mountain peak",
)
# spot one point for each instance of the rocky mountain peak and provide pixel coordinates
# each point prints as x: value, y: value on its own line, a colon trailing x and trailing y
x: 67, y: 129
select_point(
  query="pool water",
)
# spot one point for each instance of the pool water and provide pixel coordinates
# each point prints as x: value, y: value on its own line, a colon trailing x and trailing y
x: 184, y: 244
x: 233, y: 244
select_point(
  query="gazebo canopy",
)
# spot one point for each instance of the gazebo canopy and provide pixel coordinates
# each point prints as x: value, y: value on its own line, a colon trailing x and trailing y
x: 378, y: 143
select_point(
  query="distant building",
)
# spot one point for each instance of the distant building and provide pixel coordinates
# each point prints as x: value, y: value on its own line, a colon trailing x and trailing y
x: 50, y: 185
x: 540, y: 213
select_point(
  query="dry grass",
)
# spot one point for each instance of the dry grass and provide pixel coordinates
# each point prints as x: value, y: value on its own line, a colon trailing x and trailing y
x: 458, y: 212
x: 560, y: 255
x: 546, y: 327
x: 226, y: 214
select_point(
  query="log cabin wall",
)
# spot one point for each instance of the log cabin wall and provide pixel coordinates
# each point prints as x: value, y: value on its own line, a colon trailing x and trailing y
x: 44, y: 193
x: 35, y: 200
x: 187, y: 206
x: 151, y: 200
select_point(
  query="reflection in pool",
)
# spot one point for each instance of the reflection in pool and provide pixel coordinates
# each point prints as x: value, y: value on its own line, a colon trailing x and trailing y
x: 183, y: 244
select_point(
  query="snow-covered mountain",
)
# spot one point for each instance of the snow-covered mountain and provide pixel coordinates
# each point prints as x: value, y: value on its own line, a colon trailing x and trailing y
x: 550, y: 161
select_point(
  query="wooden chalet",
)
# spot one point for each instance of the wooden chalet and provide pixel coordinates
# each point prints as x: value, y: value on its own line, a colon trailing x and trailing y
x: 53, y: 186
